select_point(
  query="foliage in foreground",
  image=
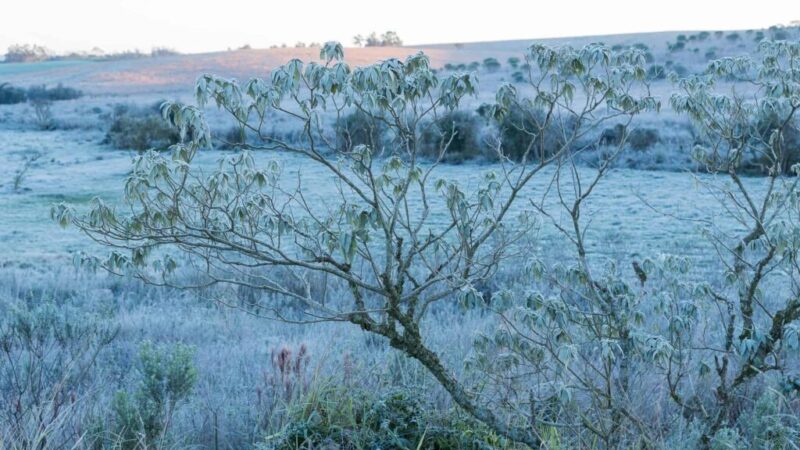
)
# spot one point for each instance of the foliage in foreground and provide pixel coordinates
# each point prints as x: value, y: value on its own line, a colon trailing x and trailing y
x: 355, y: 420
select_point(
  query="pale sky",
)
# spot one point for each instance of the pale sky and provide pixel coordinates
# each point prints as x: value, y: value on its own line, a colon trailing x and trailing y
x: 201, y: 25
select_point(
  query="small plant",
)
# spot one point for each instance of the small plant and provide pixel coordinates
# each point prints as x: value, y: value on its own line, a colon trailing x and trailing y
x: 22, y: 172
x: 167, y: 377
x: 43, y: 115
x: 513, y: 62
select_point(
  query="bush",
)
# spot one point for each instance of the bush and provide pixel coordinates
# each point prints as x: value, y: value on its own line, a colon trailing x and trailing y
x: 491, y: 64
x: 513, y: 62
x: 766, y: 125
x: 136, y: 128
x: 232, y: 139
x: 49, y: 350
x: 676, y: 46
x: 778, y: 33
x: 42, y: 113
x: 733, y: 37
x: 10, y: 95
x: 58, y: 93
x: 359, y: 128
x: 340, y: 419
x: 167, y: 378
x: 642, y: 138
x: 457, y: 133
x: 518, y: 77
x: 656, y: 72
x: 529, y: 131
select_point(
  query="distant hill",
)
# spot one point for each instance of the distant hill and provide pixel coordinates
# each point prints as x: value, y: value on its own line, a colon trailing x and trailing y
x: 169, y: 73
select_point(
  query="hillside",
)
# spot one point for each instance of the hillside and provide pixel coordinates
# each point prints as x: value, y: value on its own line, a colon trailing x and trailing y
x: 167, y: 74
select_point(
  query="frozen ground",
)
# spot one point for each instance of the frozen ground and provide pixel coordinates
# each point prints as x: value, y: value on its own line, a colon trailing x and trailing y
x: 634, y: 214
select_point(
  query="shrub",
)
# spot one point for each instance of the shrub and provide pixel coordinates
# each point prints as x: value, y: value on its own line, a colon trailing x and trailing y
x: 680, y: 70
x: 491, y: 64
x: 636, y: 138
x: 167, y: 376
x: 531, y: 133
x: 676, y: 46
x: 767, y: 124
x: 43, y: 115
x: 703, y: 35
x: 58, y: 93
x: 341, y: 419
x: 656, y: 72
x: 136, y: 128
x: 48, y: 350
x: 513, y: 62
x: 456, y: 133
x: 359, y: 128
x: 234, y: 138
x: 518, y: 77
x: 642, y: 138
x: 473, y: 66
x: 10, y: 95
x: 779, y: 34
x: 733, y: 37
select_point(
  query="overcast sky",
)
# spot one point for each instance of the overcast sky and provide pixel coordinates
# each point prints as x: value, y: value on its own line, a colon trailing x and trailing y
x: 200, y: 25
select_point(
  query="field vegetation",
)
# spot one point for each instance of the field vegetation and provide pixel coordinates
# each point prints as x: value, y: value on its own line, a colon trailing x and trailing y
x: 396, y: 256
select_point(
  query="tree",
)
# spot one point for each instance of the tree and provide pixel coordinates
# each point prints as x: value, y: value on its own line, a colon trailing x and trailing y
x: 26, y: 53
x: 388, y: 259
x: 756, y: 322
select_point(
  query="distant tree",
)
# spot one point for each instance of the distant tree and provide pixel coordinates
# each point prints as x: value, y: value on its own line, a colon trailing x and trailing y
x: 387, y: 39
x: 513, y: 62
x: 391, y: 39
x: 26, y: 53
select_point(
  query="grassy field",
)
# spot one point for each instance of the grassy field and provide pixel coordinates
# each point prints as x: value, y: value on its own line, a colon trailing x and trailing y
x: 339, y: 377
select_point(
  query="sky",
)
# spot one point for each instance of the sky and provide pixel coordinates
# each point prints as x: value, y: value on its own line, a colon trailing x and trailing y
x: 194, y: 26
